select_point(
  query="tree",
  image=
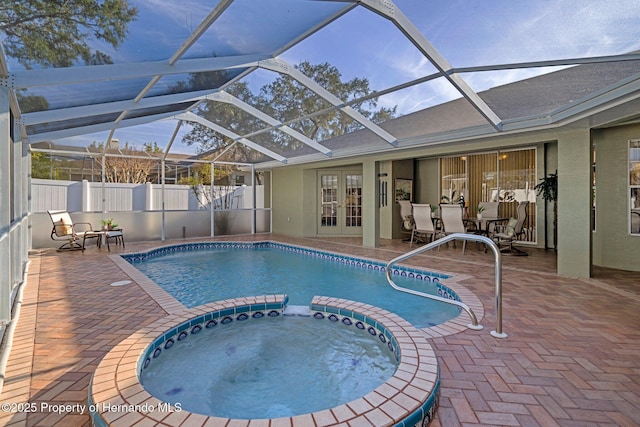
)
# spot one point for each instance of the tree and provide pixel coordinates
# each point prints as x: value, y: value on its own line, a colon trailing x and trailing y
x: 57, y: 33
x: 133, y: 167
x: 30, y: 103
x: 41, y: 165
x: 285, y: 100
x: 223, y: 192
x: 48, y: 166
x: 234, y: 119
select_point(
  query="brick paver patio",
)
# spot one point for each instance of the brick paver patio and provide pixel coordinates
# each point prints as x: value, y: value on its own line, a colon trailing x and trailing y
x: 571, y: 357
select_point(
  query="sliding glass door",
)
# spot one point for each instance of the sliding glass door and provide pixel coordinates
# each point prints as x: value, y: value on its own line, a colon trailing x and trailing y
x: 508, y: 177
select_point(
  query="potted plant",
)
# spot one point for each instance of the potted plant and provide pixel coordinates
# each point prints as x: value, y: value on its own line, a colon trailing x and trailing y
x: 108, y: 224
x: 548, y: 189
x: 434, y: 208
x: 480, y: 210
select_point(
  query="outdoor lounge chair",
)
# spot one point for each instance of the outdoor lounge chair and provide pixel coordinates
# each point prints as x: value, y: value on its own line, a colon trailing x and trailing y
x: 64, y: 229
x: 513, y: 231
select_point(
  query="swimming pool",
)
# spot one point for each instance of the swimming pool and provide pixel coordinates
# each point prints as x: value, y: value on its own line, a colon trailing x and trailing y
x: 199, y: 273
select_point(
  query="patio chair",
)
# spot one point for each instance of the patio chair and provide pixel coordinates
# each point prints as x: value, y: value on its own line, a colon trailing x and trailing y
x: 423, y: 223
x: 451, y: 216
x: 406, y: 213
x: 64, y: 229
x: 490, y: 211
x: 514, y: 230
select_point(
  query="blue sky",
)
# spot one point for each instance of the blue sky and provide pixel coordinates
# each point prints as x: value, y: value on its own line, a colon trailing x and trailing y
x: 465, y: 32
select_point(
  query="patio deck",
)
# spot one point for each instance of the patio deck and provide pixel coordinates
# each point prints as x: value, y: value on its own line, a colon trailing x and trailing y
x: 571, y: 356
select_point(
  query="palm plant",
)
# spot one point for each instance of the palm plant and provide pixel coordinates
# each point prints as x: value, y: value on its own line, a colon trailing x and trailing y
x: 548, y: 189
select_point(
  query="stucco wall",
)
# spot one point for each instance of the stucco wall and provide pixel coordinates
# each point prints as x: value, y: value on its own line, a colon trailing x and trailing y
x: 613, y: 246
x: 574, y: 203
x: 386, y: 211
x: 289, y: 201
x: 427, y: 181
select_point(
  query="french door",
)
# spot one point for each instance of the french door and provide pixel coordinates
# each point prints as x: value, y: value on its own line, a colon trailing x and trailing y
x: 340, y: 204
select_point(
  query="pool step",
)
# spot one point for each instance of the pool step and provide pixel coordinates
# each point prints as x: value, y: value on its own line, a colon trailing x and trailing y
x: 297, y: 310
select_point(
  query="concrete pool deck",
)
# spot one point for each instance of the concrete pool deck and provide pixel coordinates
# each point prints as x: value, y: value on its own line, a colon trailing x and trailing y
x: 571, y: 356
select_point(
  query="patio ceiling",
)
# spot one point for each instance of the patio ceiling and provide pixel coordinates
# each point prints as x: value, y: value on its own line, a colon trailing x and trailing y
x: 147, y: 83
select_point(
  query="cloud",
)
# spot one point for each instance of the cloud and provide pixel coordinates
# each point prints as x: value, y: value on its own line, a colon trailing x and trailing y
x: 483, y: 34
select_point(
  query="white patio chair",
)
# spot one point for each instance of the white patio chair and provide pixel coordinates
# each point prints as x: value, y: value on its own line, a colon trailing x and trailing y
x: 490, y: 211
x: 406, y: 213
x: 64, y: 229
x: 423, y: 223
x: 451, y: 216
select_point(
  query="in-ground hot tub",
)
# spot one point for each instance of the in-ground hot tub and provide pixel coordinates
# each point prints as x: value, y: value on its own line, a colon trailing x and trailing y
x: 268, y: 366
x: 408, y: 397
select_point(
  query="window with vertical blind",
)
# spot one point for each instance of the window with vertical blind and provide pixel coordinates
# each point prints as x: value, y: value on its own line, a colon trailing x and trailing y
x: 634, y: 186
x: 516, y: 182
x: 483, y: 178
x: 593, y: 187
x: 453, y: 178
x: 506, y: 176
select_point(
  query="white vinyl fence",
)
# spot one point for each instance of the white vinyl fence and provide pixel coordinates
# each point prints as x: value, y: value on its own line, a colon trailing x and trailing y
x: 87, y: 196
x: 137, y: 208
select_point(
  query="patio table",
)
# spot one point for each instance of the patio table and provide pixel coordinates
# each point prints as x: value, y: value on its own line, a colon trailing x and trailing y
x: 105, y: 235
x: 483, y: 225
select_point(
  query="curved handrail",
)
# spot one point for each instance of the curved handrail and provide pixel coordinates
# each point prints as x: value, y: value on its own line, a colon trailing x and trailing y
x: 498, y: 275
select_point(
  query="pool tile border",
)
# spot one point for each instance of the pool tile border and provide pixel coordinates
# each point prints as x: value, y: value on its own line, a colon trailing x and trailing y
x: 416, y: 273
x: 408, y: 398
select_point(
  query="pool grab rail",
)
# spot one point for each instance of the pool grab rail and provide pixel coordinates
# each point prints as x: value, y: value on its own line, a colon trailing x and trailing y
x: 498, y: 333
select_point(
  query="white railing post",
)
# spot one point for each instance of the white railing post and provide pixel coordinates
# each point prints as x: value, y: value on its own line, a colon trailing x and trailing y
x: 86, y: 196
x: 148, y: 196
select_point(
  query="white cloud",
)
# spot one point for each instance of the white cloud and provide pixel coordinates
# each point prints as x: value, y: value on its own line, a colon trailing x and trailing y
x: 513, y: 32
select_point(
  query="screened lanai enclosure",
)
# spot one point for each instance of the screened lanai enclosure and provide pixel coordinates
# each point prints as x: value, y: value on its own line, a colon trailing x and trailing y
x: 174, y: 118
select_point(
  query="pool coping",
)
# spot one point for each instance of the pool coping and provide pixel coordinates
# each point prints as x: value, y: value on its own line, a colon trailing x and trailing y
x: 171, y: 305
x: 408, y: 397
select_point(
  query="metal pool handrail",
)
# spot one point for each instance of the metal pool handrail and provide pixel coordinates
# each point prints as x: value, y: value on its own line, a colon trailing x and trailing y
x: 498, y: 277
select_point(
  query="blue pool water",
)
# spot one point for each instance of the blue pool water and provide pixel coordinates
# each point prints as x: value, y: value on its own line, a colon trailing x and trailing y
x: 200, y: 276
x: 270, y: 368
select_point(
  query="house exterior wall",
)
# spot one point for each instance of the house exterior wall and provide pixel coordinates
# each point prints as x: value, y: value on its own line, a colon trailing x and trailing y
x: 288, y: 201
x: 613, y: 246
x: 427, y: 178
x: 385, y: 212
x: 574, y: 203
x: 567, y: 151
x: 370, y: 204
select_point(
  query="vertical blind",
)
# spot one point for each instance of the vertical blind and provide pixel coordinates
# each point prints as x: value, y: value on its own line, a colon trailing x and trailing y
x: 453, y: 178
x: 507, y: 176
